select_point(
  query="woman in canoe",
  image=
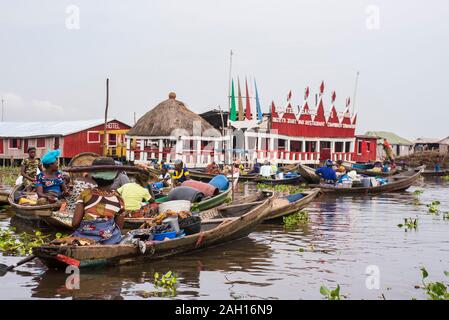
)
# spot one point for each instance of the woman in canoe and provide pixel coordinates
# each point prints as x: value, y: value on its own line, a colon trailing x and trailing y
x: 50, y: 184
x: 98, y: 212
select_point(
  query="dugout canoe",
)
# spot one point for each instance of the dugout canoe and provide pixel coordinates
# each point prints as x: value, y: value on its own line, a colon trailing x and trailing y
x: 213, y: 232
x: 274, y: 182
x: 368, y: 172
x: 431, y: 173
x: 278, y: 209
x: 4, y: 194
x: 203, y: 176
x: 34, y: 214
x: 399, y: 182
x: 308, y: 174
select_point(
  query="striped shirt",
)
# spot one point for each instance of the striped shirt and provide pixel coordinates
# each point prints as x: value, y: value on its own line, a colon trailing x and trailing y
x: 101, y: 204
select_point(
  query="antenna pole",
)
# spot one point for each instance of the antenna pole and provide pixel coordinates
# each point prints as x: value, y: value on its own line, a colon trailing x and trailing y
x: 355, y: 90
x: 3, y: 109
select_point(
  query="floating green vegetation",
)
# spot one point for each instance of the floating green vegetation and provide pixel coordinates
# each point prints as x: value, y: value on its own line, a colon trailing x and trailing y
x: 434, y: 207
x: 446, y: 216
x: 445, y: 178
x: 167, y: 282
x: 409, y: 224
x: 435, y: 290
x: 418, y: 192
x: 331, y: 294
x: 282, y: 188
x: 294, y: 219
x: 21, y: 244
x: 9, y: 175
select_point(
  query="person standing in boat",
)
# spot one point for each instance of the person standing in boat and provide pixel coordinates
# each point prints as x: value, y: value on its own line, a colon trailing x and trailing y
x: 98, y: 212
x: 181, y: 173
x: 327, y: 173
x: 29, y: 169
x: 50, y: 185
x: 388, y: 150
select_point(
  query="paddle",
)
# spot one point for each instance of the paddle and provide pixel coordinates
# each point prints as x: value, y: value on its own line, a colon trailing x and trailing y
x: 4, y: 268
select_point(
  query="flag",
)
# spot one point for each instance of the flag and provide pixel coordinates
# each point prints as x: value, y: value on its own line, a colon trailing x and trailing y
x: 306, y: 93
x: 258, y: 108
x: 233, y: 111
x: 334, y: 96
x: 241, y: 117
x: 248, y: 105
x: 289, y: 96
x: 322, y: 88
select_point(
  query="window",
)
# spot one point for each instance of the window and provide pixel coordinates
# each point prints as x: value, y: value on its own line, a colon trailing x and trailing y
x: 112, y: 140
x: 348, y: 146
x: 14, y: 143
x: 40, y: 143
x: 93, y: 137
x: 56, y: 142
x: 1, y: 146
x: 338, y: 147
x: 359, y: 149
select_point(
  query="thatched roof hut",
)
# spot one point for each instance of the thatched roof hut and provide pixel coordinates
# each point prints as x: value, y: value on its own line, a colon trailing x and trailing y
x: 170, y: 118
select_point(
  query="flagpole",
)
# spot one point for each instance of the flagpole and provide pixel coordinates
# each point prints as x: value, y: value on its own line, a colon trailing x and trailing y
x: 355, y: 90
x: 229, y: 86
x: 229, y: 126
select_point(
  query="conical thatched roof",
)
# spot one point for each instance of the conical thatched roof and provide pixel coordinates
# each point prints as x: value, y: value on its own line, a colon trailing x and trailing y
x: 170, y: 118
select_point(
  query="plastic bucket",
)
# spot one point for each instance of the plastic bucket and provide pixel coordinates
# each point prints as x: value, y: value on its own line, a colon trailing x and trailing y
x: 175, y: 205
x: 366, y: 182
x: 162, y: 236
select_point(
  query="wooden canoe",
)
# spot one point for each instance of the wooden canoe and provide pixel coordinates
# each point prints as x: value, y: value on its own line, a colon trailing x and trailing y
x: 213, y: 233
x: 274, y: 182
x: 368, y: 172
x: 276, y: 211
x: 431, y: 173
x: 308, y: 174
x: 399, y: 182
x: 4, y: 194
x: 31, y: 213
x: 203, y: 176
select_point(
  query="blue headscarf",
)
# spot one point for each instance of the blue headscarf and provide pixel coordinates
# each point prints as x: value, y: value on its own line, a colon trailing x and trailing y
x: 51, y: 156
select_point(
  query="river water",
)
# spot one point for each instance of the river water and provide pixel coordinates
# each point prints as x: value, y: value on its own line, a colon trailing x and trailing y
x: 345, y: 238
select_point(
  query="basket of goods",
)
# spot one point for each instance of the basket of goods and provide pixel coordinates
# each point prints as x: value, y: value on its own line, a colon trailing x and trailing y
x: 163, y: 231
x: 190, y: 225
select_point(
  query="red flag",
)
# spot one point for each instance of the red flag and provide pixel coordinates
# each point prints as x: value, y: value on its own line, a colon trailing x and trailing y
x: 273, y: 108
x: 322, y: 87
x: 306, y: 93
x: 248, y: 106
x: 289, y: 96
x: 334, y: 96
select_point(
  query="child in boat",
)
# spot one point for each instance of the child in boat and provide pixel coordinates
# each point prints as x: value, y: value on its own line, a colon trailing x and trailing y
x: 29, y: 169
x: 50, y: 185
x: 98, y: 212
x: 133, y: 195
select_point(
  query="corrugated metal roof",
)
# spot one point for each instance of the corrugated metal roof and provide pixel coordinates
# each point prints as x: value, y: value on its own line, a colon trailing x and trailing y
x: 390, y: 136
x: 40, y: 129
x: 423, y: 140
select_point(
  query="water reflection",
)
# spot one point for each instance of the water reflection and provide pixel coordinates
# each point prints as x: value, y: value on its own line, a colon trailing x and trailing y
x: 343, y: 237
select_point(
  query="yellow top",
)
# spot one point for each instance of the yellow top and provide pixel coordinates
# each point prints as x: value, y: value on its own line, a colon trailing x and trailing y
x: 133, y: 194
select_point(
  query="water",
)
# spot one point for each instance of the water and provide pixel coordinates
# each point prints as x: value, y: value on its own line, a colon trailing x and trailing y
x: 344, y: 237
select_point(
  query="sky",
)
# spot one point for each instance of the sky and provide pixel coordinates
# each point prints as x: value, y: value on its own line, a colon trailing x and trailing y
x: 55, y: 56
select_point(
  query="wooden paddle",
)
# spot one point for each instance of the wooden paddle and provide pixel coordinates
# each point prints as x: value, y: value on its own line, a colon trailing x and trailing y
x: 4, y: 268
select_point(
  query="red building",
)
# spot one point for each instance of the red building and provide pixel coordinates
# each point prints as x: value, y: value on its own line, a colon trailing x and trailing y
x: 72, y: 137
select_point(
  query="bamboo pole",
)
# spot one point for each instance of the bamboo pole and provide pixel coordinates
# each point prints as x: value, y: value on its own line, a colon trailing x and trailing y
x: 105, y: 137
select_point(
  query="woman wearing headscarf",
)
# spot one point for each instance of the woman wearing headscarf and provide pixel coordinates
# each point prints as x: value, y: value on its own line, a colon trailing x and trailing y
x: 50, y: 184
x: 98, y: 212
